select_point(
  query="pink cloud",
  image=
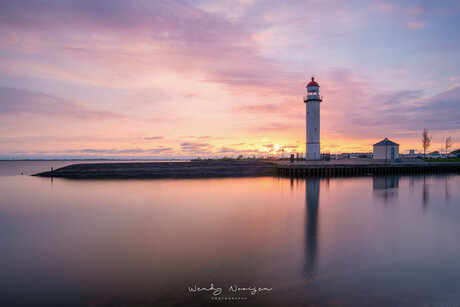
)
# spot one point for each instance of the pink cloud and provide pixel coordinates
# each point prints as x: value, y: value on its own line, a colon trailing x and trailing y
x: 415, y: 10
x: 152, y: 138
x: 278, y: 126
x: 429, y: 82
x: 416, y: 24
x: 264, y: 108
x: 382, y: 6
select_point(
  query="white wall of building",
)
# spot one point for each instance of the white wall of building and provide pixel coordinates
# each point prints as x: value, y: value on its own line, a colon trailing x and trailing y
x: 379, y: 152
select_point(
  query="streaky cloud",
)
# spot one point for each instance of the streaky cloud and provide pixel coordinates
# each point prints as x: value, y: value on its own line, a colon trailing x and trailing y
x: 17, y: 101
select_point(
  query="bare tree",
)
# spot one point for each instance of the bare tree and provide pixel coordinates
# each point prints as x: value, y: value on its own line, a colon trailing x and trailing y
x: 426, y: 141
x: 448, y: 143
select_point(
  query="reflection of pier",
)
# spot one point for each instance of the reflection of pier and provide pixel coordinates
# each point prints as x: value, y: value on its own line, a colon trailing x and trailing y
x: 311, y: 237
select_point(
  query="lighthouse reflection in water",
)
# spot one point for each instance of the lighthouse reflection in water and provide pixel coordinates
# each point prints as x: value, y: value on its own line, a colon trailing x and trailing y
x: 311, y: 240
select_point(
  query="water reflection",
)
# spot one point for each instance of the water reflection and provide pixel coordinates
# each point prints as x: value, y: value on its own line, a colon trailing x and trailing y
x: 447, y: 188
x: 386, y: 186
x: 311, y: 237
x: 426, y: 193
x: 140, y: 242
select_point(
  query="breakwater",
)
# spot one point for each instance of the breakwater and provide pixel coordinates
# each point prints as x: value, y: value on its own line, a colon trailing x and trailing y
x: 158, y: 170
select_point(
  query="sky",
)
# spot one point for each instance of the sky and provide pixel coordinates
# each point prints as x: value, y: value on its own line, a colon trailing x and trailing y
x: 213, y: 78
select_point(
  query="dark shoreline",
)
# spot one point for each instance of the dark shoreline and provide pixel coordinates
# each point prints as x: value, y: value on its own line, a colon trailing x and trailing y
x: 160, y: 170
x: 239, y: 168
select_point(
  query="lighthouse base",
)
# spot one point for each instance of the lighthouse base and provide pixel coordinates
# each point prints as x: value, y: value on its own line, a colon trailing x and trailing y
x: 313, y: 153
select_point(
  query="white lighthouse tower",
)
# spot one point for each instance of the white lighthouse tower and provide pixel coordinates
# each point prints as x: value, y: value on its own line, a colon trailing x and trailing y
x: 313, y: 100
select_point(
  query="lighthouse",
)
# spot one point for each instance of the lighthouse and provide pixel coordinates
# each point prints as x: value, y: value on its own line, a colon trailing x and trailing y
x: 312, y: 101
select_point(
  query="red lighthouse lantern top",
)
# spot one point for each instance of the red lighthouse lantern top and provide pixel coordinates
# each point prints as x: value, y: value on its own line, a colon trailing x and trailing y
x: 312, y: 82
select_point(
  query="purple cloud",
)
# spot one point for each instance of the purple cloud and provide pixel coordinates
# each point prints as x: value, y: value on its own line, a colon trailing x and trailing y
x: 407, y: 111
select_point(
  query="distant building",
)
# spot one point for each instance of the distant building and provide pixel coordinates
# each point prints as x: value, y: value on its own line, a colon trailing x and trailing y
x: 412, y: 153
x: 386, y: 150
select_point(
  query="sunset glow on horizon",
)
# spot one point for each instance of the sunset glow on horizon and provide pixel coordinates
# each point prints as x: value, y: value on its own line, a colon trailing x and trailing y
x: 185, y: 79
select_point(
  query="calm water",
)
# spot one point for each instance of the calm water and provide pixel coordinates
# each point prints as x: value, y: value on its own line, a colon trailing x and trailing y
x: 362, y: 241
